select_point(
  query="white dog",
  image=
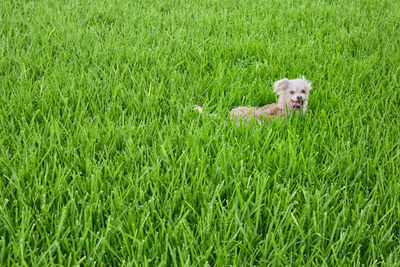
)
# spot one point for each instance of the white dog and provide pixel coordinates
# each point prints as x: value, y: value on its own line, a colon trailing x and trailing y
x: 293, y: 95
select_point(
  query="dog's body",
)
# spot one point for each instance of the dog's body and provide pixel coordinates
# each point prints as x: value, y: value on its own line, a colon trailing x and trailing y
x: 267, y: 112
x: 293, y: 94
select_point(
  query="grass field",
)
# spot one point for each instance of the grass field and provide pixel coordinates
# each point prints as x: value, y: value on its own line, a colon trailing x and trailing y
x: 103, y: 162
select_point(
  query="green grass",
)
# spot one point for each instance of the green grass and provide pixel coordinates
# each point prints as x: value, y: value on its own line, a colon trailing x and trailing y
x: 103, y: 162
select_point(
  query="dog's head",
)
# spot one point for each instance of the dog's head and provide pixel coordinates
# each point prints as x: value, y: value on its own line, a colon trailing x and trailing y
x: 293, y: 93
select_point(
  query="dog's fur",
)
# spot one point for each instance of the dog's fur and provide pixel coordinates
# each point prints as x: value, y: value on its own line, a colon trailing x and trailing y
x: 293, y: 95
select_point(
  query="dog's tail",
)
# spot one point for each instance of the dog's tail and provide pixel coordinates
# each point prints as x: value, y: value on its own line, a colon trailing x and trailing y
x: 200, y: 110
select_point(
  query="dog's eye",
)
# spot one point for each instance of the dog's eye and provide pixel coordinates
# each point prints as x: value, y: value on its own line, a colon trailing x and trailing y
x: 291, y: 92
x: 303, y: 91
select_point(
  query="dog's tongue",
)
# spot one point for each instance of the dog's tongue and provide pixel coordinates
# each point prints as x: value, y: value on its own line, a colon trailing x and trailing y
x: 296, y: 104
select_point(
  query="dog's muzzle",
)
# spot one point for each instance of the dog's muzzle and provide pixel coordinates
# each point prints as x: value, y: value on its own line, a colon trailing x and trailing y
x: 297, y: 104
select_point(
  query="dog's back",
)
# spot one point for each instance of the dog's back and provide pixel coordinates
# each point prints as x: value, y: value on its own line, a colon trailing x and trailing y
x: 245, y: 114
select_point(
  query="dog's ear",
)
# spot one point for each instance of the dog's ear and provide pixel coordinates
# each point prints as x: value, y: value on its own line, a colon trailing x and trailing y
x: 281, y: 85
x: 308, y: 83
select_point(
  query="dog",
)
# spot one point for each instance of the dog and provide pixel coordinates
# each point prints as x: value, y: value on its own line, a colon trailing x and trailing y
x: 293, y: 95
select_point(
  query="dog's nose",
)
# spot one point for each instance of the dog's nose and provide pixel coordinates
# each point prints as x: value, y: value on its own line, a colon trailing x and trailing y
x: 299, y: 98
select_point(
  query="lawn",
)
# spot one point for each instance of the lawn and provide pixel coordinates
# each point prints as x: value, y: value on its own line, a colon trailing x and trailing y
x: 104, y: 162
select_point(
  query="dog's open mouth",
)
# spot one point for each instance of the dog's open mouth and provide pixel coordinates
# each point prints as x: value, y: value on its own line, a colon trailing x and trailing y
x: 297, y: 104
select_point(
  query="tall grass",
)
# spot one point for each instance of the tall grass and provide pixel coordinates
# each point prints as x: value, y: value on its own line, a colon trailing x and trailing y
x: 103, y: 162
